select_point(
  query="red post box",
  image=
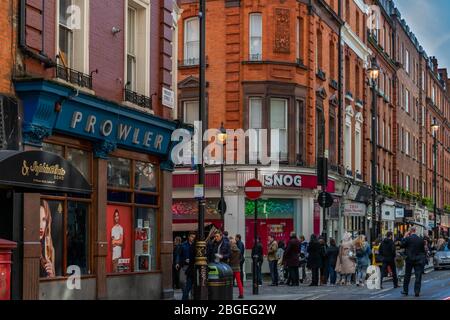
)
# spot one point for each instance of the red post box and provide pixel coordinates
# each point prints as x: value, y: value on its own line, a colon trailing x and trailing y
x: 5, y: 268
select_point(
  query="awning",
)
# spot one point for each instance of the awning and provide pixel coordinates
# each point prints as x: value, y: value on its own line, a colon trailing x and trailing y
x: 37, y: 171
x: 186, y: 227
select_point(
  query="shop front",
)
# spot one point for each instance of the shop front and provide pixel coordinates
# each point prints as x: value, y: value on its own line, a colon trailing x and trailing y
x: 111, y: 243
x: 354, y: 217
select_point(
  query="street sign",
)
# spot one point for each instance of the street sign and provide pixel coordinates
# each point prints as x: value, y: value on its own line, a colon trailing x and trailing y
x: 219, y: 207
x: 325, y: 200
x: 253, y: 189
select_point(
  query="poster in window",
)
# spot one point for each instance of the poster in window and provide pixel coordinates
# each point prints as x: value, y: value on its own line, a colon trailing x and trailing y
x: 119, y: 236
x: 50, y: 236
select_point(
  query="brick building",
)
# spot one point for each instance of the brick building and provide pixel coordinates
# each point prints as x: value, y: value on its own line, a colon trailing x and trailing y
x: 87, y: 79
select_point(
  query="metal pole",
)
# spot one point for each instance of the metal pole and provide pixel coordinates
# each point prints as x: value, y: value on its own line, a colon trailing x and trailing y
x: 374, y: 161
x: 255, y: 238
x: 201, y: 292
x: 221, y: 195
x: 436, y: 230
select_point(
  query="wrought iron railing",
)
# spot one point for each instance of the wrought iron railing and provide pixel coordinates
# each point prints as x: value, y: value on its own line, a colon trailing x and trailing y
x: 74, y: 76
x: 255, y: 57
x: 138, y: 99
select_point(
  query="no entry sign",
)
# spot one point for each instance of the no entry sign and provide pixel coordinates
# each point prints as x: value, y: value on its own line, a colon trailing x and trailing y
x: 253, y: 189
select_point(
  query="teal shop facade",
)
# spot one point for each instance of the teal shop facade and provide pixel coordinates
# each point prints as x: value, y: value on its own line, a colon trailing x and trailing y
x: 116, y: 242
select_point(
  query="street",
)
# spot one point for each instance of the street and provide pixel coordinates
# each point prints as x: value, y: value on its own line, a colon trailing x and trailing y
x: 435, y: 286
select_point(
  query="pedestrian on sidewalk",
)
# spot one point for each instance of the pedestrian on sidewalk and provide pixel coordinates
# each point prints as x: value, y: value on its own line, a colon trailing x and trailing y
x: 176, y: 266
x: 257, y: 252
x: 415, y: 255
x: 323, y: 263
x: 235, y: 261
x: 272, y: 259
x: 187, y: 259
x: 221, y: 248
x: 241, y: 247
x: 303, y: 257
x: 346, y: 262
x: 291, y: 259
x: 362, y: 250
x: 388, y: 254
x: 332, y: 254
x: 314, y: 260
x: 282, y: 272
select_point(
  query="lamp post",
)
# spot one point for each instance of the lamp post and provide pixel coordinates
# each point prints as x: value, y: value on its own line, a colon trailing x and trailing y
x: 434, y: 130
x: 374, y: 72
x: 201, y: 263
x: 222, y: 138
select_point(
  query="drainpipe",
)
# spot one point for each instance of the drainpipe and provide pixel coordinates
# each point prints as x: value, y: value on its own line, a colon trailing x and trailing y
x: 340, y: 96
x: 42, y: 57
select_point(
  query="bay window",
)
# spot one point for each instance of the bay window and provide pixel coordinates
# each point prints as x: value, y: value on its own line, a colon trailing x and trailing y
x: 255, y: 40
x: 279, y: 121
x: 255, y: 122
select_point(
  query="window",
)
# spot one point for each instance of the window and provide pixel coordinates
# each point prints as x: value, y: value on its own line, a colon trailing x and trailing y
x: 298, y: 45
x: 407, y: 65
x: 191, y: 41
x: 299, y: 130
x: 347, y: 11
x: 332, y: 139
x: 137, y: 47
x: 407, y: 100
x: 433, y: 95
x: 131, y: 217
x: 407, y: 185
x: 72, y: 34
x: 382, y: 142
x: 423, y: 80
x: 358, y: 27
x: 255, y: 37
x: 348, y: 142
x: 357, y: 83
x: 388, y: 145
x: 319, y: 52
x: 358, y: 147
x: 255, y: 122
x: 190, y: 111
x: 65, y: 222
x: 278, y: 120
x: 407, y: 142
x: 332, y: 61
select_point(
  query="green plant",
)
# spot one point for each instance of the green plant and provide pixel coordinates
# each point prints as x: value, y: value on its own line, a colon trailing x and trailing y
x: 428, y: 202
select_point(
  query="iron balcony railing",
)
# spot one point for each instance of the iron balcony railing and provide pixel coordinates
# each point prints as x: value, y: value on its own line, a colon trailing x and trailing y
x: 138, y: 99
x: 74, y: 76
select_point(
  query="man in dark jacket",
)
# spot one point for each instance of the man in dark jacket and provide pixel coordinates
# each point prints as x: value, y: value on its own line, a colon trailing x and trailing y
x: 241, y: 247
x: 187, y: 261
x: 387, y: 252
x: 221, y: 248
x: 332, y: 254
x: 314, y: 261
x: 257, y: 252
x: 415, y: 256
x: 291, y: 260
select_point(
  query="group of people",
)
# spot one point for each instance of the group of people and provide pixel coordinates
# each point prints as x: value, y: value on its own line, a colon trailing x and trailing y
x: 220, y: 248
x: 288, y: 262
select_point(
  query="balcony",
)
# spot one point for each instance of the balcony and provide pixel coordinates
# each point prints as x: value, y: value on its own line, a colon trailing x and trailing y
x: 255, y: 57
x: 73, y: 76
x: 138, y: 99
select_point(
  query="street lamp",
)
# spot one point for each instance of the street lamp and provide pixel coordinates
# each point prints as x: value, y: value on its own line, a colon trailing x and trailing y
x: 374, y: 73
x: 434, y: 130
x: 222, y: 138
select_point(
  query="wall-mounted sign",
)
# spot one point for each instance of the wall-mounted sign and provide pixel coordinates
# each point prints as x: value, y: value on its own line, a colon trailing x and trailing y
x: 399, y: 213
x: 295, y: 181
x: 387, y: 213
x: 35, y: 171
x: 168, y: 98
x: 355, y: 209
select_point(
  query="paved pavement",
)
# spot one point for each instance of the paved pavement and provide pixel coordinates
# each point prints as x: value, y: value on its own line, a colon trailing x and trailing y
x: 435, y: 286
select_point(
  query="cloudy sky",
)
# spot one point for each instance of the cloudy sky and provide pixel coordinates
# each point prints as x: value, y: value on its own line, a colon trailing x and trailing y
x: 428, y: 19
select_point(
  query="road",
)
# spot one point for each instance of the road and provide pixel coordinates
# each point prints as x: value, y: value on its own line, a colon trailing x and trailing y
x: 435, y: 286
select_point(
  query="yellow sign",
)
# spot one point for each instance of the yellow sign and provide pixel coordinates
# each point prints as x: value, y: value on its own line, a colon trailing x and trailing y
x: 44, y: 169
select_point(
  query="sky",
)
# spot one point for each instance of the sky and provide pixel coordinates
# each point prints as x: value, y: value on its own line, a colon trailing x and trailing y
x: 428, y: 20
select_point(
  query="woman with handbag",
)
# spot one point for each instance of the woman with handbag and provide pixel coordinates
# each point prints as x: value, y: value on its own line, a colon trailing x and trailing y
x: 346, y: 262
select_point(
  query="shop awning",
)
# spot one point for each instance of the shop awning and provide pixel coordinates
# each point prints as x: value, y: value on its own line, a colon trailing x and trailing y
x: 185, y: 227
x: 38, y: 171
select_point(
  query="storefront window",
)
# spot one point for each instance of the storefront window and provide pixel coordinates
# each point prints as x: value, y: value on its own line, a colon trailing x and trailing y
x: 81, y: 160
x: 131, y: 217
x: 57, y: 253
x: 119, y: 173
x: 53, y: 148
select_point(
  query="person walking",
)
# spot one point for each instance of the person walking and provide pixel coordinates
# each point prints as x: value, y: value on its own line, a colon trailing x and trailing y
x: 388, y: 255
x: 332, y: 254
x: 362, y: 250
x: 303, y: 257
x: 314, y: 260
x: 235, y: 262
x: 241, y: 247
x: 257, y: 252
x: 272, y: 259
x: 176, y: 263
x: 221, y: 248
x: 323, y: 263
x: 346, y: 262
x: 291, y: 260
x: 282, y: 272
x: 187, y: 258
x: 415, y: 255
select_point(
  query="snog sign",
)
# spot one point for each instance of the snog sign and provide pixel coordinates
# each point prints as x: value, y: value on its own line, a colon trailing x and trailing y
x: 283, y: 180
